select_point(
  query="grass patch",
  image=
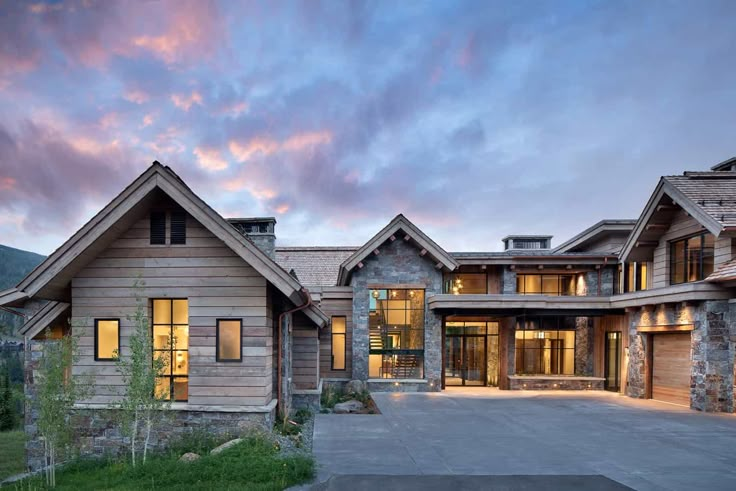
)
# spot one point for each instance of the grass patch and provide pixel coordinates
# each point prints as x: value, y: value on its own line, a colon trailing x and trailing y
x: 12, y: 453
x: 254, y: 464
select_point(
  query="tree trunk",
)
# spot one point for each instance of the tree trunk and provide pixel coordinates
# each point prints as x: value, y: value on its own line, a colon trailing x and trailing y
x: 134, y: 438
x: 148, y: 437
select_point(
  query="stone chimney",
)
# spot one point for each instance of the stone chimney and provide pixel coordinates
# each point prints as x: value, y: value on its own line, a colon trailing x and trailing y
x: 260, y: 230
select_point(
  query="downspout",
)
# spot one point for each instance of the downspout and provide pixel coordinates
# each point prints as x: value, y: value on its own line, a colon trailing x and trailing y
x: 278, y: 340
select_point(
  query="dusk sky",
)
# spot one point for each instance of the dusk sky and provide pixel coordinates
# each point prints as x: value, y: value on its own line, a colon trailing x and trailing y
x: 474, y: 119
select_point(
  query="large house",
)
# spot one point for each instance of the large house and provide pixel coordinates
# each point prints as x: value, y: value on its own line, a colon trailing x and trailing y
x: 641, y: 307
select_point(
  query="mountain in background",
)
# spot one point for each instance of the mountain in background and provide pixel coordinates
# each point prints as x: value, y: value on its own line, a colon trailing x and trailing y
x: 15, y: 264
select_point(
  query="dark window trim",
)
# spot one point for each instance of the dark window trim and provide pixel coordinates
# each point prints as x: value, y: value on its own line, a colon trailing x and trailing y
x: 217, y: 341
x: 686, y: 264
x: 344, y: 344
x: 97, y: 339
x: 560, y: 321
x: 171, y: 350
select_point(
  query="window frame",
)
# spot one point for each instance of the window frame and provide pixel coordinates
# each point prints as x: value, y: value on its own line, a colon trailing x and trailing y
x: 172, y: 352
x: 522, y: 350
x: 218, y: 358
x: 344, y: 343
x: 561, y: 292
x: 685, y: 262
x: 97, y: 339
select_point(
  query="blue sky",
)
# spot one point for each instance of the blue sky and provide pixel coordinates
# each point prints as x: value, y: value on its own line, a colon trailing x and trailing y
x: 474, y: 119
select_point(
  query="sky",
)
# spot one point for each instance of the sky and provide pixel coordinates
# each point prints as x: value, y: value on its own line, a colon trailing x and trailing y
x: 474, y: 119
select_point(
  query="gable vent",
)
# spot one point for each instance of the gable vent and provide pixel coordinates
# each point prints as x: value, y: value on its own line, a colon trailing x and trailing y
x: 158, y: 227
x: 178, y: 227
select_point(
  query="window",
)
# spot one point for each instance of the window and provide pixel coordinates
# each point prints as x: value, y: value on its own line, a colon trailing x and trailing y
x: 177, y: 227
x: 107, y: 339
x: 636, y: 277
x: 158, y: 227
x: 466, y: 283
x: 691, y: 259
x: 338, y: 343
x: 396, y: 333
x: 545, y: 346
x: 171, y: 344
x: 545, y: 284
x: 229, y: 340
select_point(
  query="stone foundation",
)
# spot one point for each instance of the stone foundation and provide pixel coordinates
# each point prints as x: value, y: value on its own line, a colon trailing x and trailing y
x: 97, y: 433
x: 531, y: 382
x: 388, y: 385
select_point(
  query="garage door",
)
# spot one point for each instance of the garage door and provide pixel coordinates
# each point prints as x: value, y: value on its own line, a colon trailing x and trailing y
x: 671, y: 370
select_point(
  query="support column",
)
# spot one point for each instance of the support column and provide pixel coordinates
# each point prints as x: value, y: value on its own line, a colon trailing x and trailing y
x: 712, y: 375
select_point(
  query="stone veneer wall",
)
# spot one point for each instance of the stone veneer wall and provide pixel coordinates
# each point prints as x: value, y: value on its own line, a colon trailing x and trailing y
x: 584, y: 345
x: 559, y: 383
x: 97, y: 434
x: 712, y: 345
x: 509, y: 281
x: 397, y: 263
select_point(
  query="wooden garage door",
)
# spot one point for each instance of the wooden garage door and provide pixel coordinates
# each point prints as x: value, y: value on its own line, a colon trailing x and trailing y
x: 671, y: 368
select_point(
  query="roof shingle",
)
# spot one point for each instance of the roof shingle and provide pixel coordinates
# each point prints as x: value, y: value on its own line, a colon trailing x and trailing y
x: 314, y: 266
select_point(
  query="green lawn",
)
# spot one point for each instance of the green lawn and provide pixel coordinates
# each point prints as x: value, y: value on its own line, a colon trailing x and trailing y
x: 254, y: 465
x: 12, y: 454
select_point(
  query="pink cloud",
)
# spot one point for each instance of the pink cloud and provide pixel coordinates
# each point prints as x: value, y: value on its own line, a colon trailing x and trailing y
x: 136, y: 96
x: 281, y: 209
x: 210, y: 159
x: 110, y: 120
x: 185, y: 102
x: 7, y: 183
x: 243, y: 151
x: 234, y: 109
x: 167, y: 143
x: 147, y: 120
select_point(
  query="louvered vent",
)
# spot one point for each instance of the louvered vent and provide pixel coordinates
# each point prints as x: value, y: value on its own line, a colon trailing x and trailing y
x: 158, y: 227
x: 178, y: 227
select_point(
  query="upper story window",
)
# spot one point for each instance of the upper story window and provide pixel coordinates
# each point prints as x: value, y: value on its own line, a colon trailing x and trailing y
x: 177, y: 229
x: 637, y: 277
x: 691, y: 259
x: 466, y: 283
x: 107, y: 339
x: 545, y: 284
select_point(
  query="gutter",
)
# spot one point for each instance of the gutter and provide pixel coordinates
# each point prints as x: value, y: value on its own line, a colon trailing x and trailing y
x: 307, y: 304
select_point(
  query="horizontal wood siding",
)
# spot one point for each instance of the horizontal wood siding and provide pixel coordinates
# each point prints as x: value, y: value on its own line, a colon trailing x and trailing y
x: 682, y: 225
x: 304, y: 353
x: 217, y: 283
x: 337, y: 301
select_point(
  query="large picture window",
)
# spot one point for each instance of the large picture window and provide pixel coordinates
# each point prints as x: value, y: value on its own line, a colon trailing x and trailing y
x: 396, y: 330
x: 691, y: 259
x: 545, y: 284
x: 338, y: 343
x: 466, y: 283
x: 545, y: 346
x: 171, y: 344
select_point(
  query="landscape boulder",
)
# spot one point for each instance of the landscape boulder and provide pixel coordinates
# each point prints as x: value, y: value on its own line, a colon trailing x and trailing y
x: 351, y: 406
x: 225, y: 446
x: 189, y: 457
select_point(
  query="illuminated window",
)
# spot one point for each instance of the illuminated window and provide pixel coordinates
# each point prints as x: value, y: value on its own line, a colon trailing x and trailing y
x: 691, y: 259
x: 107, y: 339
x: 396, y: 333
x: 466, y: 283
x: 545, y: 346
x: 229, y: 340
x: 171, y: 344
x: 636, y: 277
x: 545, y: 284
x: 338, y: 343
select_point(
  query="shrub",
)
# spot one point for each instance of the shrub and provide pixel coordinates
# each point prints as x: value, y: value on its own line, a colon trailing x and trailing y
x: 8, y: 407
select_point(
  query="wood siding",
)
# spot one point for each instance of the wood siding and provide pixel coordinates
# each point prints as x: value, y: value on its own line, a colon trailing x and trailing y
x: 217, y: 283
x: 305, y: 353
x: 671, y: 368
x: 336, y: 301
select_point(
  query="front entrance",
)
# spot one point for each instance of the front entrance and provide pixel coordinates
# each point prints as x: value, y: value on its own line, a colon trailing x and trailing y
x: 612, y: 370
x: 471, y: 353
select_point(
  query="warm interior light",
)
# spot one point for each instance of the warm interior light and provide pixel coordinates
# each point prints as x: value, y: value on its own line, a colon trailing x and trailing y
x: 393, y: 293
x: 375, y: 294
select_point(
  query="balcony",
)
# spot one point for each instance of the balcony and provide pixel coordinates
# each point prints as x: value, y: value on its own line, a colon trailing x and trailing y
x: 499, y: 302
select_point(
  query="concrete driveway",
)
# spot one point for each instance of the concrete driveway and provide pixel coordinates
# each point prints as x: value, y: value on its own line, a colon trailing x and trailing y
x: 468, y: 432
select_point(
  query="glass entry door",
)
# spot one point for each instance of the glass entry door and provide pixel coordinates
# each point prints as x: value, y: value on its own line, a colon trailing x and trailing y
x: 612, y: 372
x: 465, y: 360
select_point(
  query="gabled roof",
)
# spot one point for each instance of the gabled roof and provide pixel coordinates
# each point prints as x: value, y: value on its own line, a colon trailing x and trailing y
x: 314, y: 266
x: 41, y: 319
x: 49, y: 279
x: 598, y: 230
x: 410, y: 233
x: 709, y: 197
